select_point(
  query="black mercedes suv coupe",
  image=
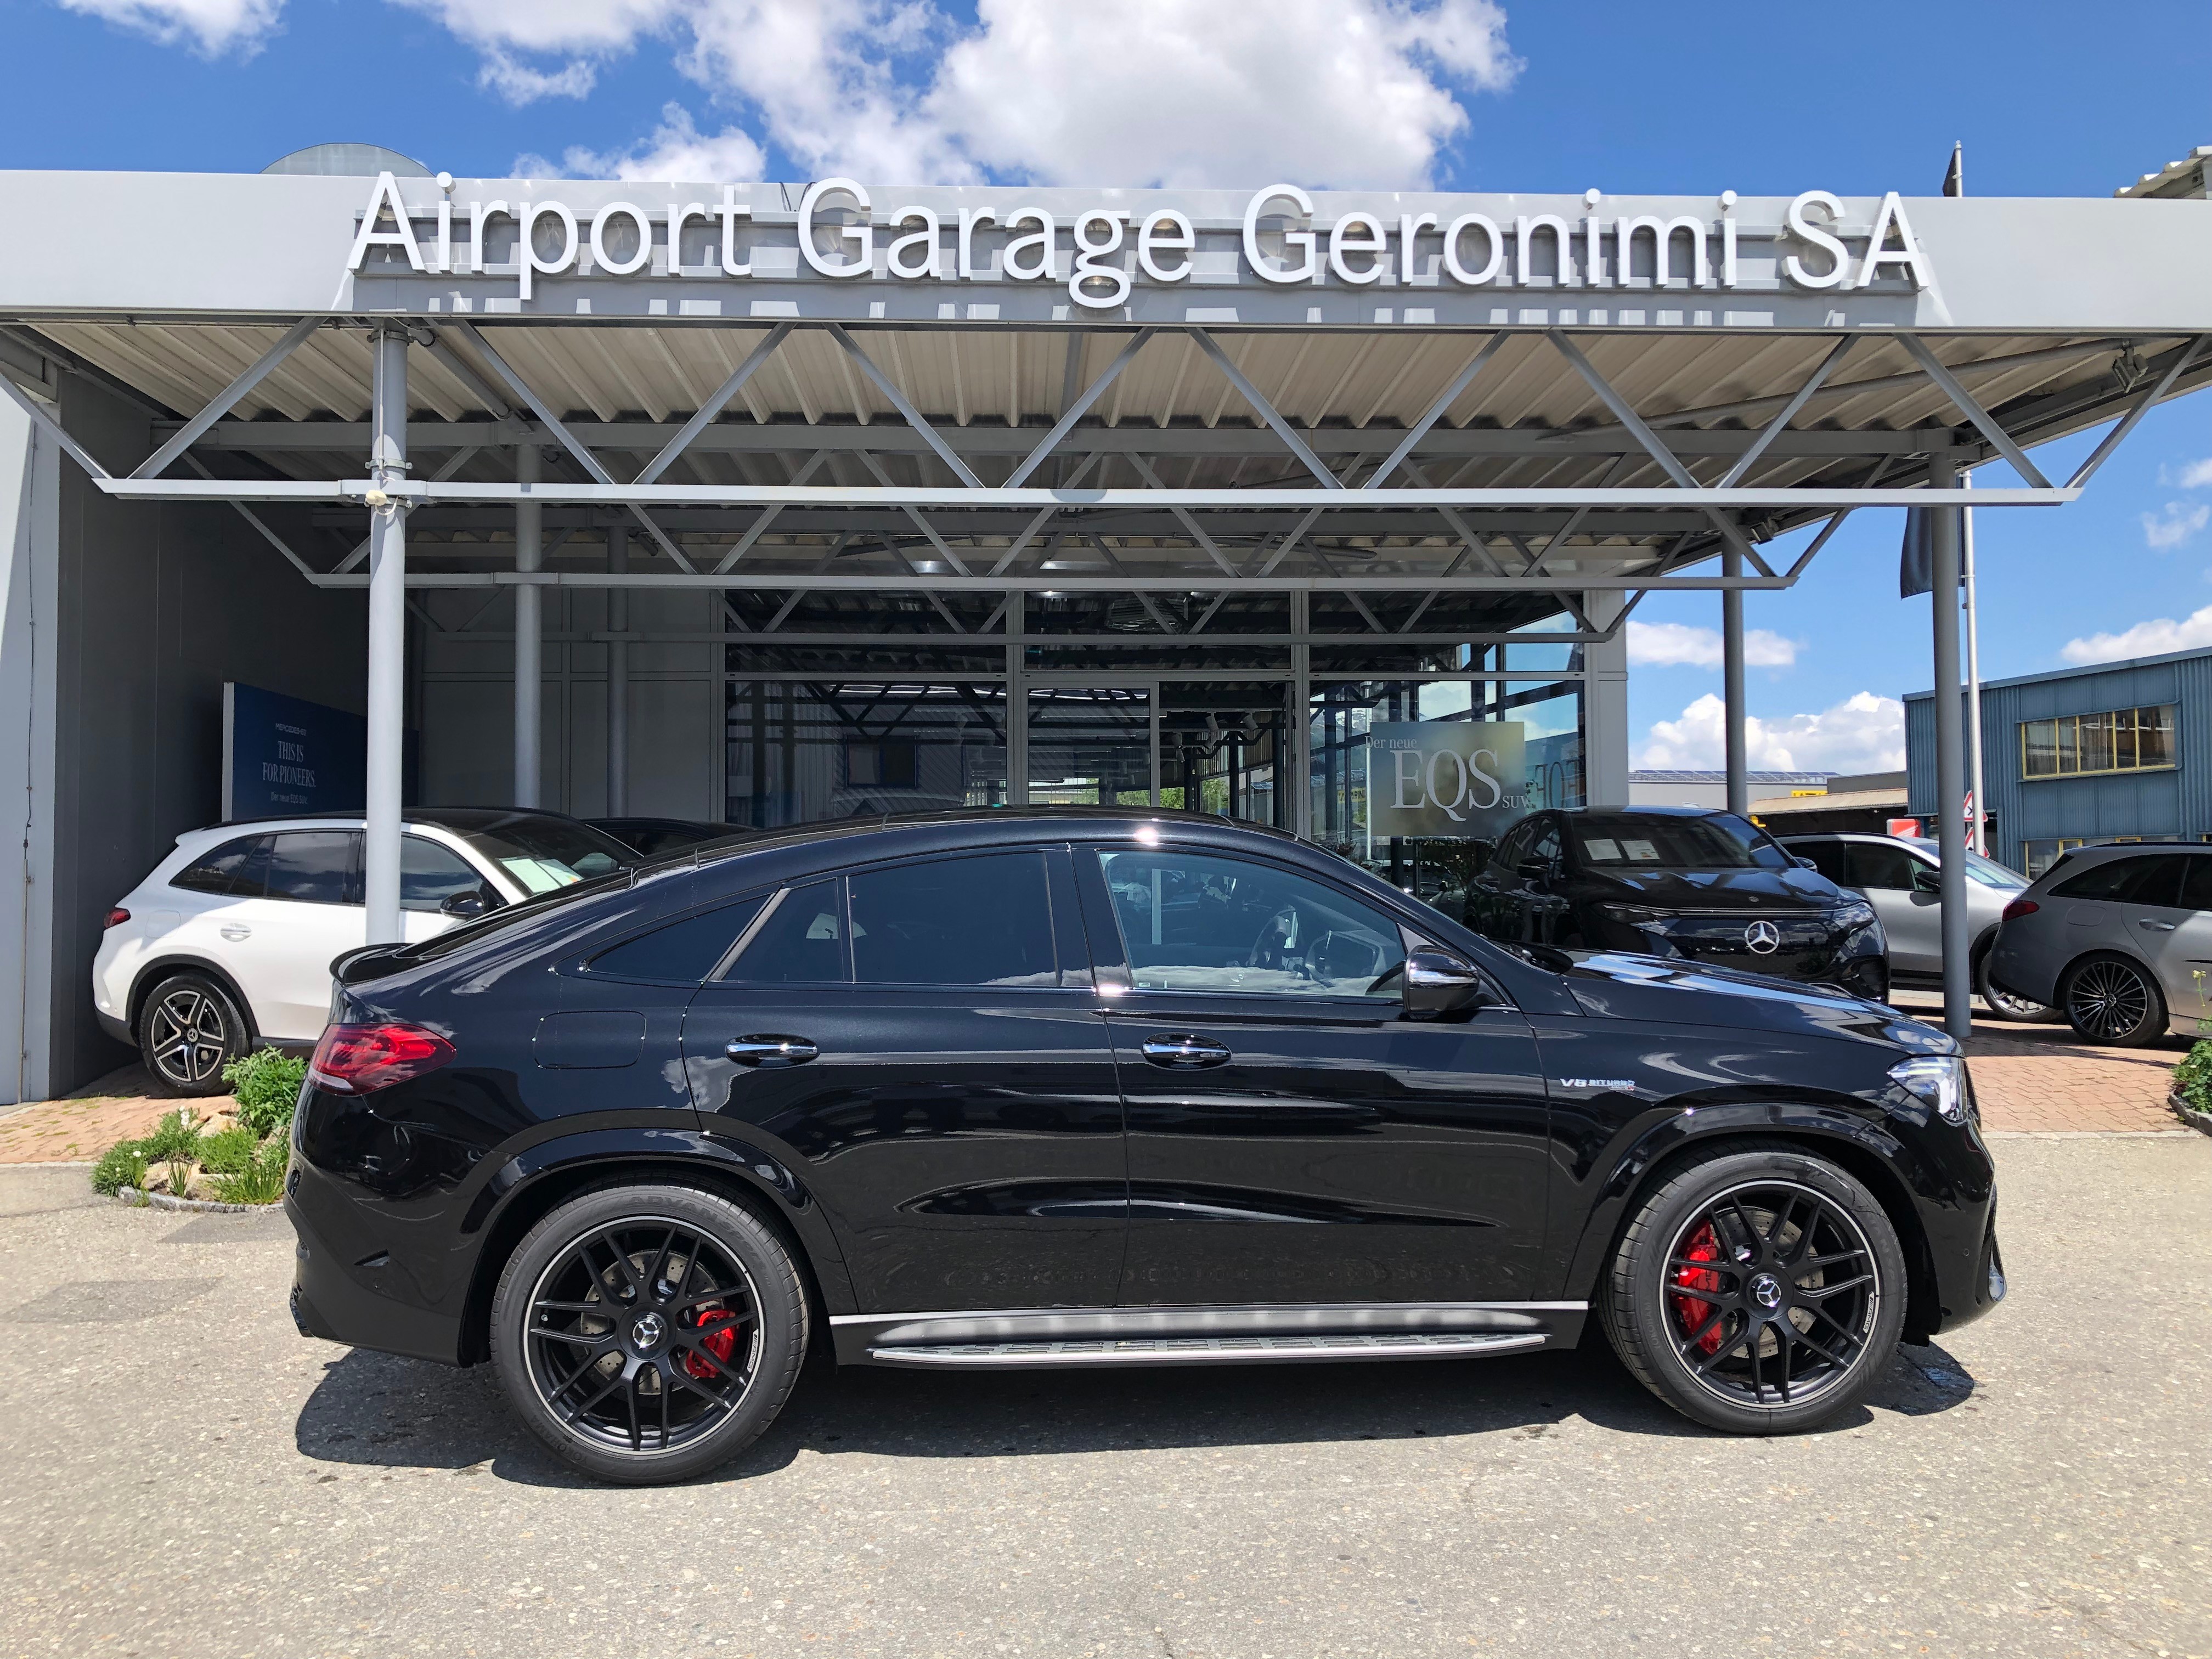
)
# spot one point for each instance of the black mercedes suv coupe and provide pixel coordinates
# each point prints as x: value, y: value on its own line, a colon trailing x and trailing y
x: 1068, y: 1088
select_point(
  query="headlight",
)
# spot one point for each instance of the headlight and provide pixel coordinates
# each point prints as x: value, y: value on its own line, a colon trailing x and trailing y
x: 1939, y: 1079
x: 1852, y: 915
x: 1636, y: 915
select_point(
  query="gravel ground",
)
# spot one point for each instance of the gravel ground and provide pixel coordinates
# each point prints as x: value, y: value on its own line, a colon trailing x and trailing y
x: 185, y: 1476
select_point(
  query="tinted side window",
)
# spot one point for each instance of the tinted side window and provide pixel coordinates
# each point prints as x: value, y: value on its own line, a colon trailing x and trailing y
x: 431, y: 872
x: 312, y: 866
x: 1509, y: 851
x: 1547, y: 848
x: 1875, y: 866
x: 2197, y: 884
x: 683, y: 951
x: 1195, y: 922
x: 2150, y: 878
x: 982, y: 920
x: 1828, y: 858
x: 803, y: 943
x: 236, y: 869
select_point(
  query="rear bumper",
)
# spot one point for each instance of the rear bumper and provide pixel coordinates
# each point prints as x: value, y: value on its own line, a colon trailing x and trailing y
x: 342, y: 1300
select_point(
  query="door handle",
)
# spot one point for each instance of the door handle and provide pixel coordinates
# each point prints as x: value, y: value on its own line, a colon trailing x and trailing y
x: 2156, y: 927
x: 1184, y: 1052
x: 771, y: 1051
x: 234, y: 931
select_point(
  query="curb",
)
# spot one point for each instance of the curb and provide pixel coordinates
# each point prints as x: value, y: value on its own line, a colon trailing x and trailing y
x: 2200, y: 1121
x: 131, y: 1197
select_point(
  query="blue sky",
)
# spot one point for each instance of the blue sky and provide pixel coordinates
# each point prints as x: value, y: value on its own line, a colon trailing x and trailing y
x: 2049, y: 99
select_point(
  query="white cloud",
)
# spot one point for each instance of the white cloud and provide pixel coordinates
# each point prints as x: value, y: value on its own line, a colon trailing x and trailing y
x: 676, y: 149
x: 214, y: 27
x: 1679, y: 644
x: 1176, y: 92
x: 2196, y: 475
x: 2145, y: 639
x: 2176, y: 526
x: 1862, y: 734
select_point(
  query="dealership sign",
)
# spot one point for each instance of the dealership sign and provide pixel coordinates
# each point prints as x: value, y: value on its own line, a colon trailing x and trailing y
x: 837, y: 232
x: 1467, y: 780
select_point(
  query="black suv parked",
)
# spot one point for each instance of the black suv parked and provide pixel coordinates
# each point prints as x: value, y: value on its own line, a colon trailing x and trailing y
x: 1679, y: 883
x: 1067, y: 1088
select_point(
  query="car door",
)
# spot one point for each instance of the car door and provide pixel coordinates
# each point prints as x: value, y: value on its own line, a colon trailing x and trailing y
x: 924, y: 1038
x: 2178, y: 940
x: 2131, y: 905
x: 1906, y: 893
x: 1293, y: 1137
x: 279, y: 944
x: 432, y: 875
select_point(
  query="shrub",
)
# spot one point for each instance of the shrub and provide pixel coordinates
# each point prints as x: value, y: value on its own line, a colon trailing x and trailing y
x: 266, y: 1084
x: 262, y: 1179
x: 123, y: 1165
x: 175, y: 1138
x: 2193, y: 1075
x: 228, y: 1152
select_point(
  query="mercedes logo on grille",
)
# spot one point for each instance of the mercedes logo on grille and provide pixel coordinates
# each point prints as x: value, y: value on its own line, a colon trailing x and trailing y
x: 1762, y: 937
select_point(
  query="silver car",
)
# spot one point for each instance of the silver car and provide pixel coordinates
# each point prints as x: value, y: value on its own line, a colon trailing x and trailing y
x: 1902, y: 878
x: 2120, y: 937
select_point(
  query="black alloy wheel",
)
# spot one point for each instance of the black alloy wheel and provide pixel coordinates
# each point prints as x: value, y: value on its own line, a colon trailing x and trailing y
x: 189, y: 1028
x: 2112, y: 999
x: 2017, y: 1011
x: 1759, y: 1289
x: 648, y: 1333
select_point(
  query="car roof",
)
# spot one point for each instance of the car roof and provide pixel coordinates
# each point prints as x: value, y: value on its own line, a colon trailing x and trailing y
x: 456, y: 818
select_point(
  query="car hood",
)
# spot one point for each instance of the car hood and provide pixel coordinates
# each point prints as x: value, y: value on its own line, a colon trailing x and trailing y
x: 1665, y: 989
x: 1782, y: 892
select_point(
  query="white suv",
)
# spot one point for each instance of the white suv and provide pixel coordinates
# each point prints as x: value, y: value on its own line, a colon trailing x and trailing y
x: 228, y: 944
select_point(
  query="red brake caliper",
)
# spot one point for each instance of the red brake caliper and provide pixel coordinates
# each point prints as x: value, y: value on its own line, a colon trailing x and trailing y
x: 1703, y: 1246
x: 721, y: 1341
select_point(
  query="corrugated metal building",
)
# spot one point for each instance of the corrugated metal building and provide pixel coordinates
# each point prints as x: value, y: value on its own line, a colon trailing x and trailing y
x: 2116, y: 751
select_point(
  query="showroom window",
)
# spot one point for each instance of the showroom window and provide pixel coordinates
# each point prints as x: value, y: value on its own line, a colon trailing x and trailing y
x: 2075, y: 746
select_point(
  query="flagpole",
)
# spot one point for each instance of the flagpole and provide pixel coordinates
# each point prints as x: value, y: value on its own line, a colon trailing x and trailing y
x: 1975, y: 833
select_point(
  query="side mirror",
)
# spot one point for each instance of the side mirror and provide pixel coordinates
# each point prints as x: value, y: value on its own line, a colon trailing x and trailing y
x: 465, y: 905
x: 1438, y: 982
x: 1806, y: 864
x: 1536, y: 869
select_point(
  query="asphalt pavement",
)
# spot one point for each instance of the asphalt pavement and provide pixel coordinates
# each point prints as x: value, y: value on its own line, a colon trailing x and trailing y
x: 184, y: 1475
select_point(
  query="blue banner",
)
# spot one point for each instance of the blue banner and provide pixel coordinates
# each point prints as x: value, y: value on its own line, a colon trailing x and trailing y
x: 282, y: 757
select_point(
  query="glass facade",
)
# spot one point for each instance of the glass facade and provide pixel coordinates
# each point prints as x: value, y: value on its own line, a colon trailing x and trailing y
x: 2122, y: 740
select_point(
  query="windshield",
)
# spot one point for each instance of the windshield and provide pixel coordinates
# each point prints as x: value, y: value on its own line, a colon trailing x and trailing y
x: 542, y: 852
x: 1988, y: 872
x: 1625, y: 842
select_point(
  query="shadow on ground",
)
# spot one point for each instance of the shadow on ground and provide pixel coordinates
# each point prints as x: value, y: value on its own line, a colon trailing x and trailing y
x: 382, y: 1411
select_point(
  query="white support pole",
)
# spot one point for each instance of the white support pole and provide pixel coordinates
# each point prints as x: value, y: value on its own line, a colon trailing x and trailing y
x: 1604, y: 704
x: 1739, y: 776
x: 529, y: 634
x: 617, y: 677
x: 1976, y: 832
x: 1950, y: 758
x: 387, y: 645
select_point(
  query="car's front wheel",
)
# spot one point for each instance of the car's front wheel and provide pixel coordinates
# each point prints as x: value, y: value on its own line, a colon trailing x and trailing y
x: 648, y: 1333
x: 189, y: 1028
x: 1759, y: 1289
x: 2112, y: 999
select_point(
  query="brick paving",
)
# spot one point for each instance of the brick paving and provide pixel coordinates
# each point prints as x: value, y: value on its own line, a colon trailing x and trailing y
x: 120, y: 1106
x: 2042, y: 1079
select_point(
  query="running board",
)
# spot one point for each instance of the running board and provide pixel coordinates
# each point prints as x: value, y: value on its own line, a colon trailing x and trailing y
x: 1201, y: 1350
x: 1157, y: 1335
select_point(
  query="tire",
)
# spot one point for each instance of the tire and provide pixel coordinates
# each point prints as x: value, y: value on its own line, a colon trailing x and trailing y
x: 2110, y: 999
x: 646, y: 1398
x: 1707, y: 1340
x: 2003, y: 1005
x: 189, y: 1028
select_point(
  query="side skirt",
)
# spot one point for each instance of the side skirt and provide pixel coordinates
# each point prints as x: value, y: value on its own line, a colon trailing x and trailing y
x: 1018, y: 1339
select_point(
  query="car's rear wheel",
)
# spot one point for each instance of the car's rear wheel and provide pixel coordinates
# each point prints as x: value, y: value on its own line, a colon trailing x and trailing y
x: 2112, y: 999
x: 189, y: 1028
x: 648, y: 1333
x: 1759, y: 1289
x: 2017, y: 1011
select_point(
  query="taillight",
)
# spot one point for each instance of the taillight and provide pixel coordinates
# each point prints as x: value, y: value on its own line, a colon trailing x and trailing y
x: 2019, y: 907
x: 116, y: 918
x: 359, y: 1060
